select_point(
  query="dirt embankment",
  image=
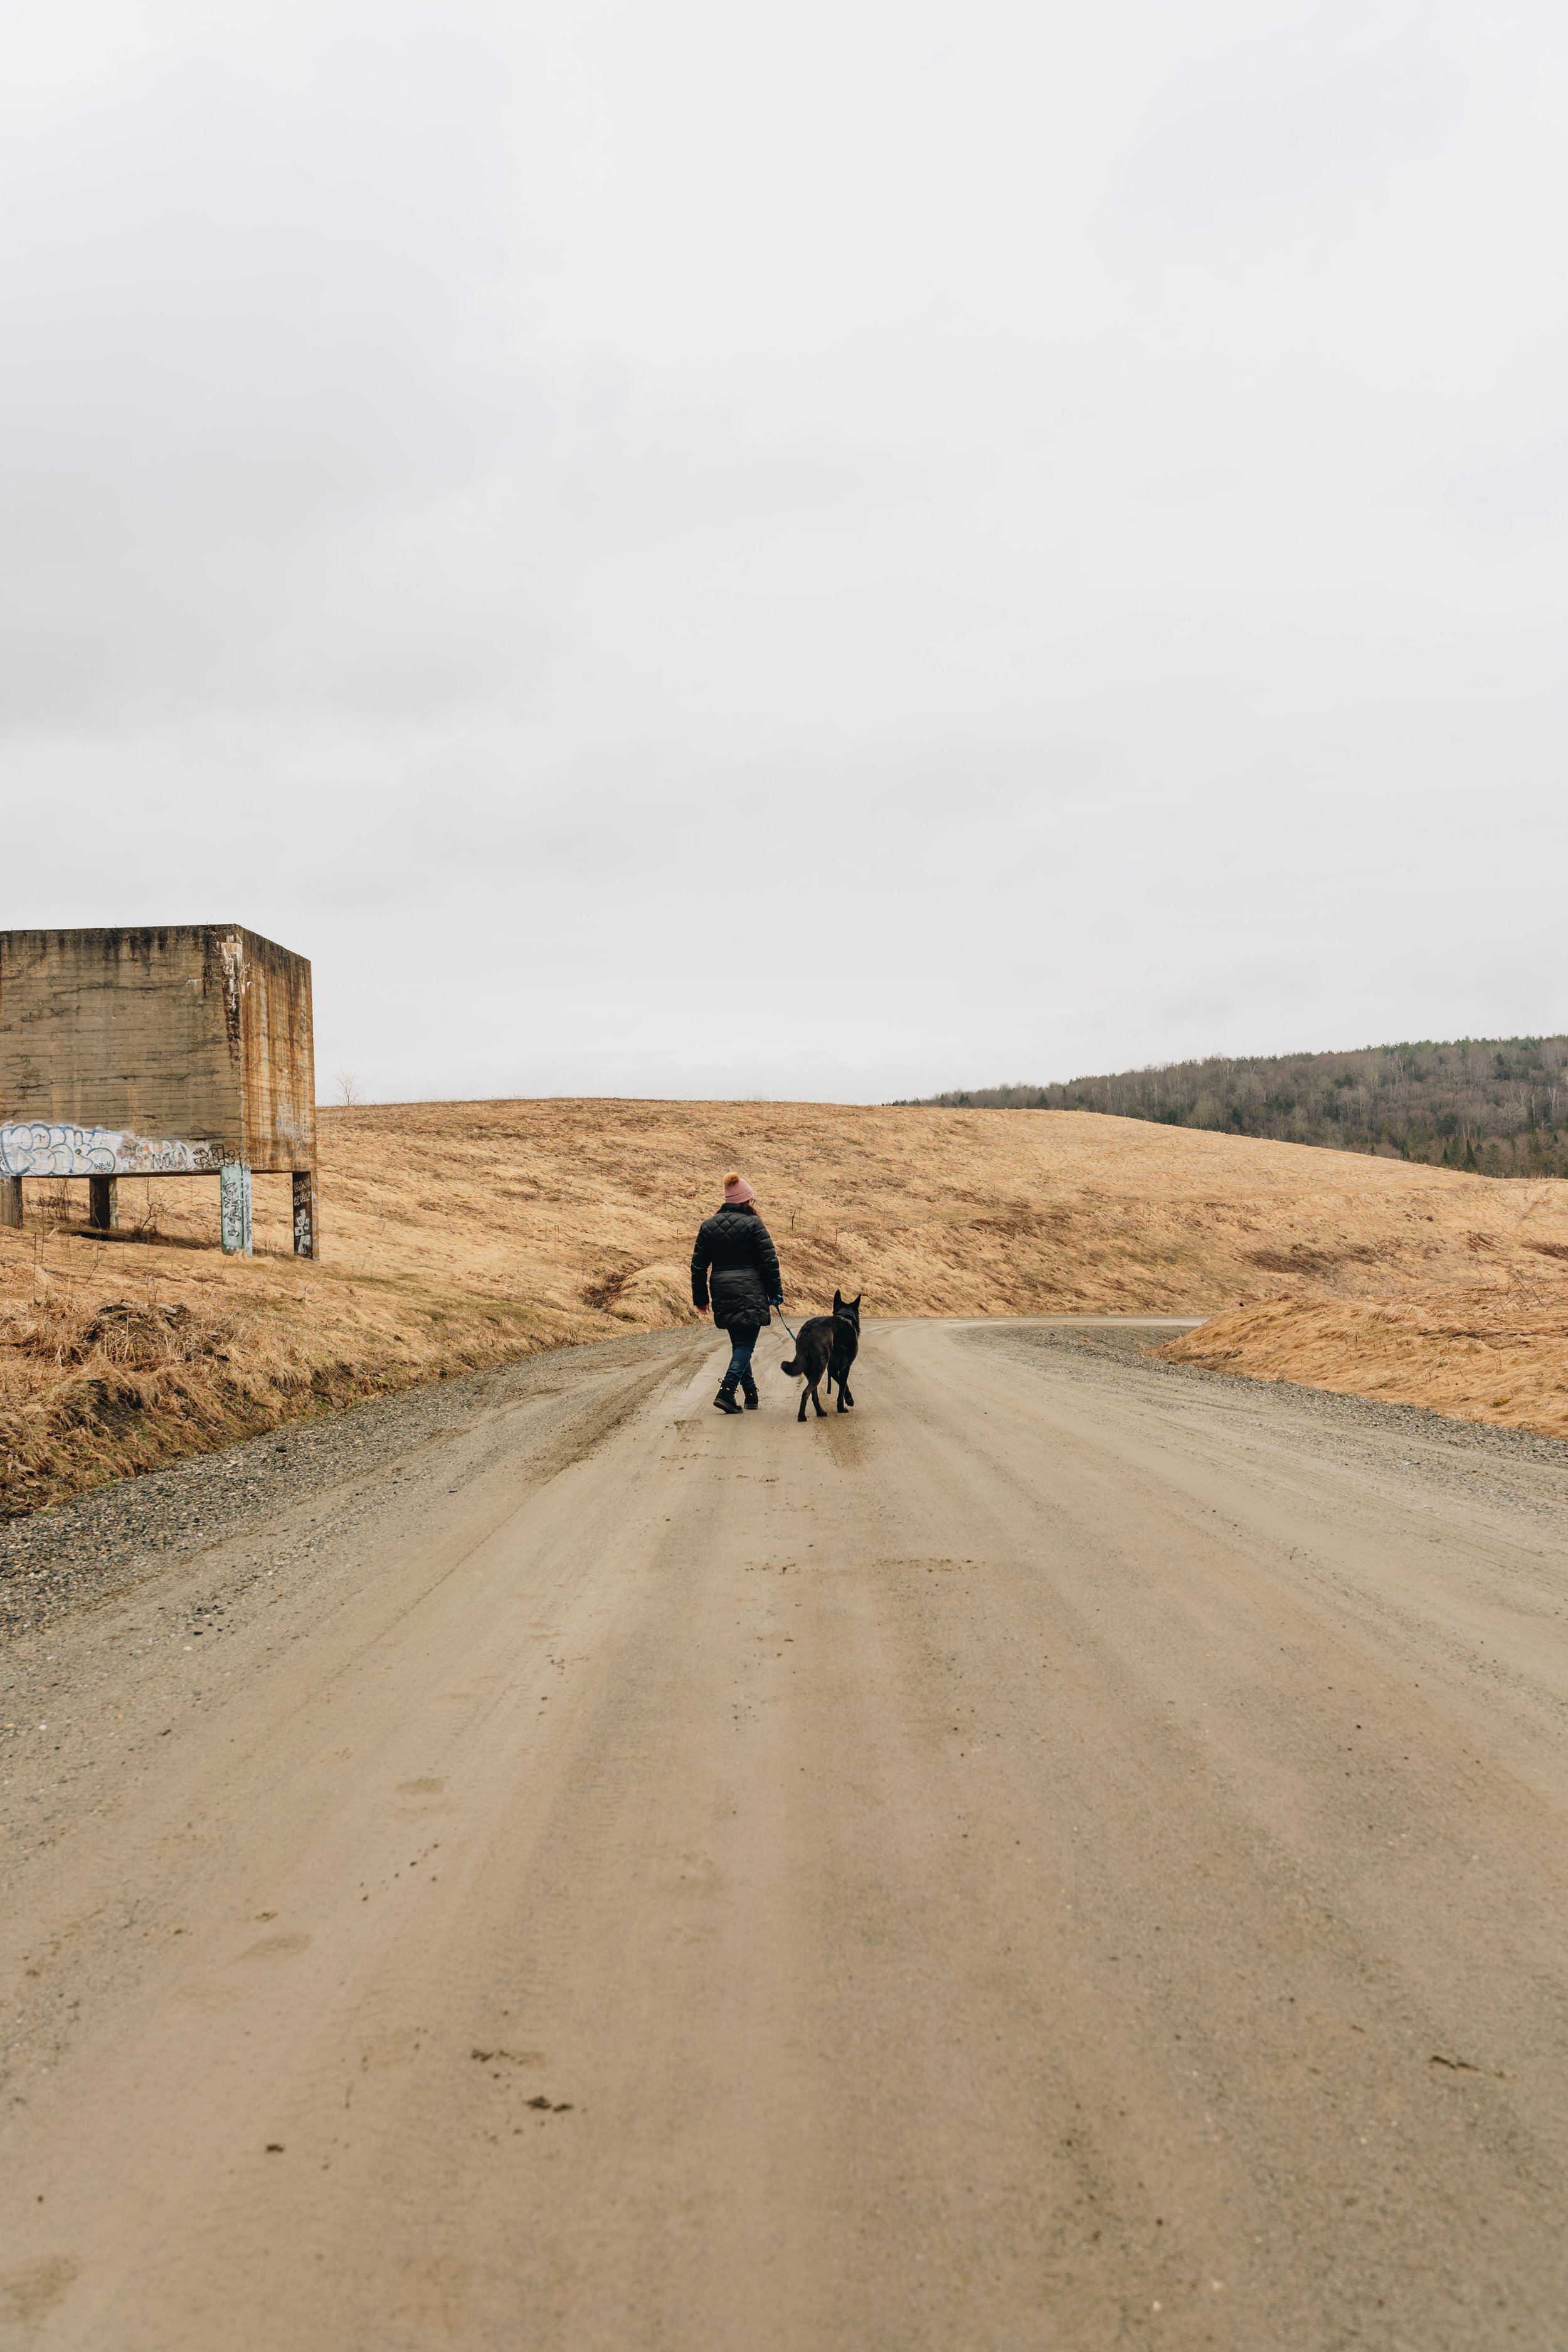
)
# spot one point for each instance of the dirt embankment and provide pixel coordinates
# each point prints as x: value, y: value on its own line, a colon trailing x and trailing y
x: 115, y: 1361
x: 1499, y: 1357
x: 463, y: 1234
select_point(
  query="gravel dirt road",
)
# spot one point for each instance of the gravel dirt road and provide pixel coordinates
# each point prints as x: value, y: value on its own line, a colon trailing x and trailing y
x: 1070, y: 1855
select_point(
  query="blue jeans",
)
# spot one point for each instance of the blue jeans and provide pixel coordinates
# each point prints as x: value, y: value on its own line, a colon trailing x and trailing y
x: 742, y: 1339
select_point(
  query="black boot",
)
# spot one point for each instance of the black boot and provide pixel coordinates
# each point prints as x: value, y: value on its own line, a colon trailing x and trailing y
x: 750, y: 1394
x: 725, y: 1399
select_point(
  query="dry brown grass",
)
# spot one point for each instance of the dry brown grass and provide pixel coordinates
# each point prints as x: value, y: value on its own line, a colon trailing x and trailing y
x: 932, y: 1213
x: 1480, y: 1356
x: 460, y: 1235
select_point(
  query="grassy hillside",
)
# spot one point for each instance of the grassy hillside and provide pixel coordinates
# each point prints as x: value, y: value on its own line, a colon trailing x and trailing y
x: 1494, y: 1106
x: 459, y: 1234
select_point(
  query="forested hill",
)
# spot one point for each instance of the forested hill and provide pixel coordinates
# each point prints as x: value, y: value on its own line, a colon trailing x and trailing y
x: 1498, y: 1105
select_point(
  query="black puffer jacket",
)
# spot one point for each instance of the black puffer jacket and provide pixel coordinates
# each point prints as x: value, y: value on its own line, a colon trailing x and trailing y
x: 736, y: 1245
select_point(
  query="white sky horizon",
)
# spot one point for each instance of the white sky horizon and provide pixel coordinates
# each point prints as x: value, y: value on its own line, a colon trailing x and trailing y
x: 698, y: 554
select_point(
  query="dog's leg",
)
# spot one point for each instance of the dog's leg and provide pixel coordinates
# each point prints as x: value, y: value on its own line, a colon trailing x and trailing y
x: 805, y: 1391
x: 816, y: 1401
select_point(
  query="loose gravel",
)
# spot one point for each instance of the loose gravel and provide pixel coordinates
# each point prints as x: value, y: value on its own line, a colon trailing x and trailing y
x: 95, y: 1548
x: 1510, y: 1461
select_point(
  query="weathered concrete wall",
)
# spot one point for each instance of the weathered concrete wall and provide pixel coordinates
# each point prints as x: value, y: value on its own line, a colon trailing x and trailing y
x: 278, y: 1056
x: 129, y: 1045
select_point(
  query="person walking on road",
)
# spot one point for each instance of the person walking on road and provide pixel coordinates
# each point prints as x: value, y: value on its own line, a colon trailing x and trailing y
x: 736, y: 1264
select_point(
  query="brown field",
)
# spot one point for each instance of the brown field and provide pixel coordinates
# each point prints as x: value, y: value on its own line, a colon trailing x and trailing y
x: 461, y: 1234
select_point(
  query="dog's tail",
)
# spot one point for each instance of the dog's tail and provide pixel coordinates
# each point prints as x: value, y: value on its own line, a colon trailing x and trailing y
x: 792, y: 1365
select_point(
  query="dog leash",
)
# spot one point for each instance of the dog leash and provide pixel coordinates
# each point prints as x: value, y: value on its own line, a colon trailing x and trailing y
x: 779, y: 1312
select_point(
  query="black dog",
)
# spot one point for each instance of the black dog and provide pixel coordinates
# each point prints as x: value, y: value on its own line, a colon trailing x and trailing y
x: 827, y: 1343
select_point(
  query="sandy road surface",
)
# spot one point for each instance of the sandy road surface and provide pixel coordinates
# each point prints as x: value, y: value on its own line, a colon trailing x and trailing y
x: 1062, y: 1856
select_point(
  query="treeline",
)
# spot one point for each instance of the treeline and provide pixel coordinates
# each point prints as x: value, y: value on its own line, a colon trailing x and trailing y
x: 1496, y: 1105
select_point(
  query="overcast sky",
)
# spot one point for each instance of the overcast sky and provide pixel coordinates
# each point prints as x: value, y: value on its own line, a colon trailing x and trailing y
x: 836, y: 549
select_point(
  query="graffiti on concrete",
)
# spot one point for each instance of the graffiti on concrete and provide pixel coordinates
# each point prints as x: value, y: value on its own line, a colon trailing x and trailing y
x: 36, y: 1148
x: 233, y: 1208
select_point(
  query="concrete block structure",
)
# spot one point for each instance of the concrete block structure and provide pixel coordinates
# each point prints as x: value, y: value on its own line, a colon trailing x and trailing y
x: 172, y: 1052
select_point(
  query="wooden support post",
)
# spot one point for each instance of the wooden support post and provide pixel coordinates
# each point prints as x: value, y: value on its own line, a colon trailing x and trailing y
x: 103, y: 1205
x: 307, y: 1238
x: 233, y: 1208
x: 10, y: 1200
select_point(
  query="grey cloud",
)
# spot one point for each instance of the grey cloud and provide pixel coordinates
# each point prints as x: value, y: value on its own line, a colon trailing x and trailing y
x: 259, y: 377
x: 1251, y: 134
x: 545, y: 510
x: 1521, y: 495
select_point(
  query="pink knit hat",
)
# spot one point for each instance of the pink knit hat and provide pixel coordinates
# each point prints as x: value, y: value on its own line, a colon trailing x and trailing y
x: 736, y: 1189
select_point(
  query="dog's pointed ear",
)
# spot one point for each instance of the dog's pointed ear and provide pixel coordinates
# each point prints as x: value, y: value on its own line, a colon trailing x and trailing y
x: 854, y: 1302
x: 838, y: 1302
